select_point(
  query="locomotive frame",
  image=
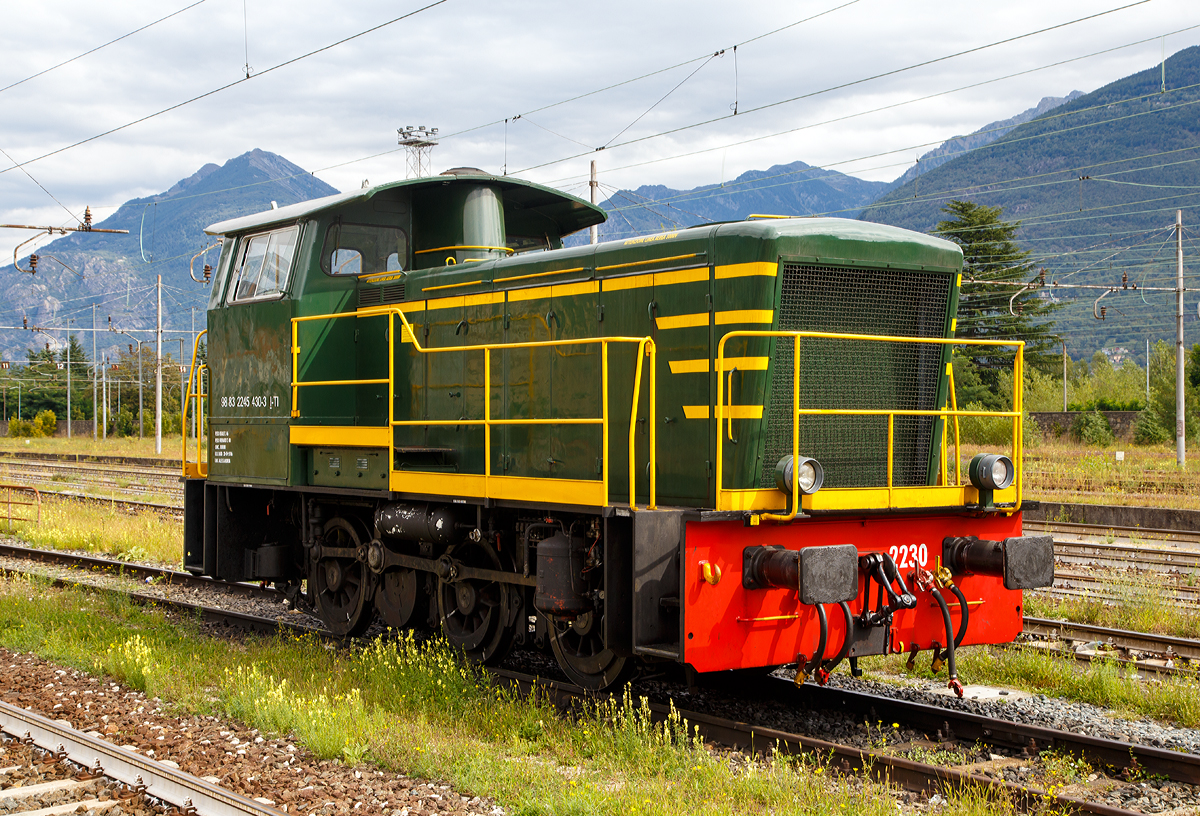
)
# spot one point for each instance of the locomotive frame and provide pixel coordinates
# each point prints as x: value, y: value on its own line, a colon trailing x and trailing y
x: 586, y: 447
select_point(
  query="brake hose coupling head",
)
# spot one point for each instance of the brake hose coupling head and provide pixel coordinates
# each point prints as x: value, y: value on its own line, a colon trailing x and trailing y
x: 956, y: 686
x: 922, y: 579
x: 944, y: 577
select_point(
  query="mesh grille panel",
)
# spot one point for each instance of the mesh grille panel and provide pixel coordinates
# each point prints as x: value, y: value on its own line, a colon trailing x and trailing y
x: 857, y: 374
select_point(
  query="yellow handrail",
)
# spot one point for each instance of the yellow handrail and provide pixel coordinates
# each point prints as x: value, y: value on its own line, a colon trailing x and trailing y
x: 195, y: 375
x: 467, y: 249
x: 951, y: 409
x: 646, y: 348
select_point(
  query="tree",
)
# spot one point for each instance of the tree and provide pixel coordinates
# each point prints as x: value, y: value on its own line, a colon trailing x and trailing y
x: 991, y: 258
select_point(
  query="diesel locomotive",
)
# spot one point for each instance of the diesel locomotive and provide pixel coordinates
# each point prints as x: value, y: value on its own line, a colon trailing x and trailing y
x: 732, y: 446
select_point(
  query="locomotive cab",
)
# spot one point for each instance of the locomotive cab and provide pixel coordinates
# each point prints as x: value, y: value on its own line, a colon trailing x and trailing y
x: 728, y: 446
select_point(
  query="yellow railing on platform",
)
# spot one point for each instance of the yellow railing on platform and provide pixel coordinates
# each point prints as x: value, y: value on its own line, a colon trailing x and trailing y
x: 889, y: 496
x: 199, y: 468
x: 592, y: 492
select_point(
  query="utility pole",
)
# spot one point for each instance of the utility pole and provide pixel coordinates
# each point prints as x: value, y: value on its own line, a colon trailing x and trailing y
x: 158, y: 374
x: 1180, y: 456
x: 95, y: 414
x: 104, y: 384
x: 593, y: 185
x: 1147, y: 371
x: 1064, y: 345
x: 69, y: 322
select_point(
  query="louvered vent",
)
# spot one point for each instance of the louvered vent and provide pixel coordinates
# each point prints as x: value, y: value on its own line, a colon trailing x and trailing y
x: 376, y: 296
x: 858, y: 374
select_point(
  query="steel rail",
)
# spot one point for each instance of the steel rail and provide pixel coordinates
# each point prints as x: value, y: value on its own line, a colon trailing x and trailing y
x: 1174, y: 765
x: 909, y: 774
x: 129, y: 768
x: 137, y: 571
x: 1079, y: 528
x: 1185, y: 648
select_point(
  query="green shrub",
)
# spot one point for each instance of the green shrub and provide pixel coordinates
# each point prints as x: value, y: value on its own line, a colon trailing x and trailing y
x: 18, y: 427
x: 45, y: 423
x: 996, y: 431
x: 1092, y: 428
x: 1150, y: 429
x: 121, y: 423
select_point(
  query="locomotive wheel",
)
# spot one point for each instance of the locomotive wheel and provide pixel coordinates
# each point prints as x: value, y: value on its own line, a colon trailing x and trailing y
x: 473, y: 612
x: 343, y: 586
x: 579, y: 649
x: 401, y: 597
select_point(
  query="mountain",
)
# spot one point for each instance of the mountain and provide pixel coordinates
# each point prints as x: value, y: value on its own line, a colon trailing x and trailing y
x: 1095, y: 184
x: 987, y: 134
x: 165, y: 231
x: 785, y: 189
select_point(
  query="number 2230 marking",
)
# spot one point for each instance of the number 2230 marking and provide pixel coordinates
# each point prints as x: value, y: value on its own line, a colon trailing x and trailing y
x: 909, y: 555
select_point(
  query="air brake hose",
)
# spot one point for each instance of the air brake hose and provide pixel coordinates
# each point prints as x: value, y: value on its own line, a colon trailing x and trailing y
x: 815, y: 663
x: 962, y: 605
x: 941, y: 602
x: 830, y: 665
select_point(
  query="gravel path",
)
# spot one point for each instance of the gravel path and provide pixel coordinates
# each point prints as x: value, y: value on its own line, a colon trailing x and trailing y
x: 225, y: 752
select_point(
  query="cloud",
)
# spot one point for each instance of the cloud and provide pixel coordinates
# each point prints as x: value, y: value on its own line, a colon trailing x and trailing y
x: 466, y: 63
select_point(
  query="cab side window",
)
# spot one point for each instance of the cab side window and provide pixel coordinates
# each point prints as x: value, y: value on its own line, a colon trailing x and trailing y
x: 264, y: 264
x: 364, y: 249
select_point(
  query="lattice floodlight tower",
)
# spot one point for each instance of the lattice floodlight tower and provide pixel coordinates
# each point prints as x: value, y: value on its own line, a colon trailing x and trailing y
x: 418, y: 143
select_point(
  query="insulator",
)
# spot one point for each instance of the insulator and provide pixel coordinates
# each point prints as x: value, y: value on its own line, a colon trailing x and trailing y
x: 207, y: 272
x: 1124, y: 280
x: 1042, y: 277
x: 33, y: 263
x: 1103, y: 311
x: 25, y: 322
x: 130, y: 347
x: 87, y: 218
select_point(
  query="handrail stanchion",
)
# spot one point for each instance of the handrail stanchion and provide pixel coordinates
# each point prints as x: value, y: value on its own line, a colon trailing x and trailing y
x: 195, y: 375
x: 637, y: 394
x: 653, y: 505
x: 957, y: 438
x: 487, y: 415
x: 604, y: 416
x: 891, y: 458
x: 1019, y: 422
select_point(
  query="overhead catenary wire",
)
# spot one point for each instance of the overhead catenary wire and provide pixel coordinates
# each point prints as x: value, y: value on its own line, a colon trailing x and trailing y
x: 850, y: 84
x: 229, y: 85
x: 100, y: 47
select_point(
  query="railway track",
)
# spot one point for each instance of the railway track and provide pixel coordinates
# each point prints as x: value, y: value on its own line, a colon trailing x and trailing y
x: 77, y: 770
x: 137, y: 479
x: 952, y: 727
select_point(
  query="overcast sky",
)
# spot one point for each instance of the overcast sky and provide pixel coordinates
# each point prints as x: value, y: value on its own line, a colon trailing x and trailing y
x: 464, y: 66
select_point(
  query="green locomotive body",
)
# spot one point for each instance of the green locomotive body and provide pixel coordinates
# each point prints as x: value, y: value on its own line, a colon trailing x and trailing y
x: 419, y: 401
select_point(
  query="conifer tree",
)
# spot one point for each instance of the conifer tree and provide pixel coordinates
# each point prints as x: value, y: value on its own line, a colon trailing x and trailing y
x: 991, y: 258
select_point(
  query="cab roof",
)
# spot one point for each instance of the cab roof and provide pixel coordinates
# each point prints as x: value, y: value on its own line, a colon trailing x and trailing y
x: 569, y: 213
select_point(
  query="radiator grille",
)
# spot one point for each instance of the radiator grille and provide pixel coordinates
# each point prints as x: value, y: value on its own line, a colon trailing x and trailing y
x: 858, y: 374
x: 376, y: 296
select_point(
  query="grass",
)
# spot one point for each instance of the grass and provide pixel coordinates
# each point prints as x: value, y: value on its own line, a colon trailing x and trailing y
x: 412, y: 707
x: 99, y: 528
x: 1141, y: 605
x: 1064, y: 471
x: 113, y: 446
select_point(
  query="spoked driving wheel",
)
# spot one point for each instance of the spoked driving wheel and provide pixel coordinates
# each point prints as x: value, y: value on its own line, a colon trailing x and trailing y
x: 580, y: 651
x: 401, y: 598
x: 475, y: 614
x: 343, y: 586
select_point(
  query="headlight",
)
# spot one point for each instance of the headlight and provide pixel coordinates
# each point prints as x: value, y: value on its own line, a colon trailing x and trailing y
x: 991, y: 471
x: 809, y: 474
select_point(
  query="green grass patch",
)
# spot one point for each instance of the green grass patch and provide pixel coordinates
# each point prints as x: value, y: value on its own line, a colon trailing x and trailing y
x: 102, y: 529
x: 1141, y: 604
x: 413, y: 707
